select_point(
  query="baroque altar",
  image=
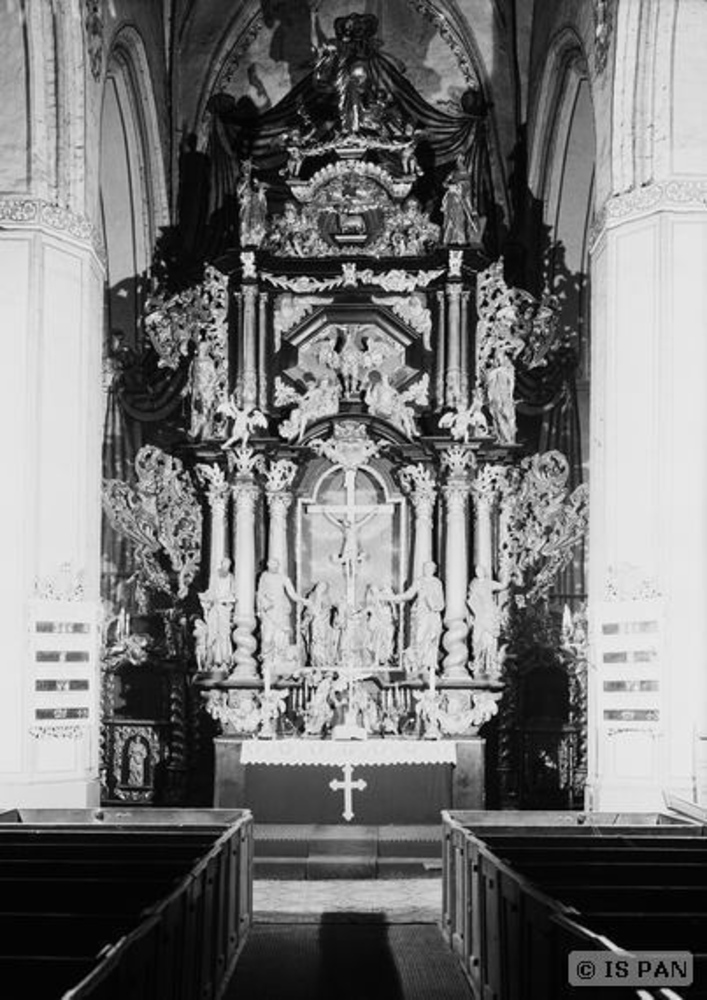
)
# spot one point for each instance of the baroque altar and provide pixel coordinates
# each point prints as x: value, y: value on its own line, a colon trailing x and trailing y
x: 347, y: 519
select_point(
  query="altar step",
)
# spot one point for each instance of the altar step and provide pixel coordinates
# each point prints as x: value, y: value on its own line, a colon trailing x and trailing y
x: 313, y: 851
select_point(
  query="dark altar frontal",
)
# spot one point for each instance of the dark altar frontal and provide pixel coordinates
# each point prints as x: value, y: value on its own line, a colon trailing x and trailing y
x: 399, y: 782
x: 344, y: 521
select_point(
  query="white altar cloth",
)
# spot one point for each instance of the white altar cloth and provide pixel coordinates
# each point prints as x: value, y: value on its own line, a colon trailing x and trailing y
x: 359, y: 753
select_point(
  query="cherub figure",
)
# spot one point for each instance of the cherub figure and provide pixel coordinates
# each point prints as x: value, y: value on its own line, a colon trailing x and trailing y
x: 465, y: 422
x: 245, y: 420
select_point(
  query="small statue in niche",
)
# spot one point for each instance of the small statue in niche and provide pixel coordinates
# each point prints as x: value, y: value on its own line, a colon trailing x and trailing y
x: 201, y: 644
x: 461, y: 223
x: 202, y: 387
x: 319, y: 714
x: 253, y: 207
x: 380, y: 626
x: 485, y: 622
x: 318, y: 625
x: 500, y: 376
x: 138, y: 761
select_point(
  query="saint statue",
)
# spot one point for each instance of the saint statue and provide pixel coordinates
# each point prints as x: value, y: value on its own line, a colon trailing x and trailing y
x: 218, y: 603
x: 202, y: 389
x: 380, y: 626
x: 426, y: 619
x: 318, y: 625
x: 500, y: 376
x: 485, y: 621
x: 253, y: 206
x: 274, y: 599
x: 461, y: 223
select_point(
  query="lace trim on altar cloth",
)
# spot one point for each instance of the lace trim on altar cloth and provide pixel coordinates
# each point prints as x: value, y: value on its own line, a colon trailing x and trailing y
x: 335, y: 754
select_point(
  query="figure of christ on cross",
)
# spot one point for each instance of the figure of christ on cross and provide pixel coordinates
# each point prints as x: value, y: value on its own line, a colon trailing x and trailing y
x: 350, y: 517
x: 348, y: 786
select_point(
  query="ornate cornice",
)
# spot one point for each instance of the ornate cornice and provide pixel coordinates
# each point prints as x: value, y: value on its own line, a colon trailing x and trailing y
x: 662, y: 196
x: 35, y: 213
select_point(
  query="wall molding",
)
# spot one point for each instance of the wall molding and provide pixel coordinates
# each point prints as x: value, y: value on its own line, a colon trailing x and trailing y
x: 35, y: 213
x: 663, y: 196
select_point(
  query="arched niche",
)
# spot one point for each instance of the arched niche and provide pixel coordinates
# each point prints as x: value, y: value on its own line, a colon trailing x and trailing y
x: 133, y: 199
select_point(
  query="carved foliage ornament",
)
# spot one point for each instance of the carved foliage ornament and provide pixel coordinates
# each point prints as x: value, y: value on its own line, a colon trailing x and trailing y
x: 161, y: 516
x: 194, y: 321
x: 545, y: 522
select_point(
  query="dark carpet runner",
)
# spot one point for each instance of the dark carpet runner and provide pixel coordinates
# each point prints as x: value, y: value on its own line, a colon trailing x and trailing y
x: 345, y: 959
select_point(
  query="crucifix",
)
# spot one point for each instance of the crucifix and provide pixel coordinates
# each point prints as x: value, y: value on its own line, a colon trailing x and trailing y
x: 350, y: 517
x: 348, y: 786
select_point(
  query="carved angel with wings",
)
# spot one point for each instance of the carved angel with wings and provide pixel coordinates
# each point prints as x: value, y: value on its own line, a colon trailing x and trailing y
x: 245, y: 420
x: 465, y: 422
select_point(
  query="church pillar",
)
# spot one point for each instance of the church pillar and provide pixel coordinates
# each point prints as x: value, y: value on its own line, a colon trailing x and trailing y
x: 51, y: 288
x: 453, y: 377
x: 245, y: 497
x: 249, y: 380
x: 456, y: 493
x: 648, y: 501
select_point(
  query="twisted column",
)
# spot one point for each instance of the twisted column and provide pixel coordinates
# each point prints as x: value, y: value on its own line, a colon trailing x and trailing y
x: 245, y: 496
x: 456, y: 493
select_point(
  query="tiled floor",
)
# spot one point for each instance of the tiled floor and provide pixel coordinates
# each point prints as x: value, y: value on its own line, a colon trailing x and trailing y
x: 399, y: 900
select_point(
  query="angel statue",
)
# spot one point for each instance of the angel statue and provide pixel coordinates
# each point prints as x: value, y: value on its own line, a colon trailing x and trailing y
x: 385, y: 401
x: 466, y: 422
x: 245, y: 420
x: 320, y: 400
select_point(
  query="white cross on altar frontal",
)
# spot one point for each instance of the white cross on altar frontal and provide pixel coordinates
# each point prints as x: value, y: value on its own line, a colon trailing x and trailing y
x: 348, y: 786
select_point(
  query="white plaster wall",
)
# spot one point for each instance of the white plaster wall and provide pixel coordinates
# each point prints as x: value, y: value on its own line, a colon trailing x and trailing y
x: 15, y: 288
x: 649, y: 495
x: 51, y: 289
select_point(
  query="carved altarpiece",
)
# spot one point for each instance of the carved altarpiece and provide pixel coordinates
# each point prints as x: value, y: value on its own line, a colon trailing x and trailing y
x: 350, y: 521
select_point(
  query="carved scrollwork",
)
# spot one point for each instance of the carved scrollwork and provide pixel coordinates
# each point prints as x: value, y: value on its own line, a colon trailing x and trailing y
x: 161, y: 516
x: 544, y: 523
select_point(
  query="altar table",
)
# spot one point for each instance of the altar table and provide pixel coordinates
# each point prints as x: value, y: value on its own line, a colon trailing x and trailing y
x: 375, y: 781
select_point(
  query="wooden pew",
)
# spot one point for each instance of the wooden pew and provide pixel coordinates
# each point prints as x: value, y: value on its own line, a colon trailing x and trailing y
x: 514, y: 898
x: 124, y: 909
